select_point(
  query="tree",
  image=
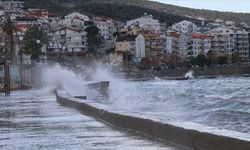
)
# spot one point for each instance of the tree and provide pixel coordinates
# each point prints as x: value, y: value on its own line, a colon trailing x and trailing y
x: 93, y: 37
x: 34, y: 39
x: 145, y: 62
x: 222, y: 60
x: 9, y: 29
x: 212, y: 58
x: 200, y: 60
x: 236, y: 58
x: 172, y: 59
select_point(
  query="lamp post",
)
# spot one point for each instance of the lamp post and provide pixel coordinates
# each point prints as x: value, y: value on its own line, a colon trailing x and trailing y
x: 21, y: 51
x: 37, y: 43
x: 21, y: 60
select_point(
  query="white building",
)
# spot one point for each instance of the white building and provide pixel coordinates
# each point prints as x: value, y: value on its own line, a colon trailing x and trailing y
x: 182, y: 45
x: 68, y: 40
x: 185, y: 27
x: 220, y: 21
x: 222, y: 41
x: 241, y: 45
x: 11, y: 6
x: 106, y: 27
x: 199, y: 44
x: 168, y: 46
x: 146, y: 22
x: 140, y: 47
x: 74, y: 19
x: 172, y: 41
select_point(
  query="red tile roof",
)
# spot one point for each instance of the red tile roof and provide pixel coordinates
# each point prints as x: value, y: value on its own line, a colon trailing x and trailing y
x: 199, y: 36
x: 174, y: 34
x: 22, y: 27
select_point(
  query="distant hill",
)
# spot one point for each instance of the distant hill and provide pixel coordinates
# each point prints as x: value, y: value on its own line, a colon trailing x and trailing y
x: 130, y: 9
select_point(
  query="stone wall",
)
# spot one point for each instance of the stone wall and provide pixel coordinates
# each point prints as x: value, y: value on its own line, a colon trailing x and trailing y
x: 180, y: 72
x: 191, y: 139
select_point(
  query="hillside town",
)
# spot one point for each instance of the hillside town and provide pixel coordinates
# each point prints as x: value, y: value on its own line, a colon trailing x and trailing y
x: 33, y: 35
x: 127, y: 74
x: 141, y: 39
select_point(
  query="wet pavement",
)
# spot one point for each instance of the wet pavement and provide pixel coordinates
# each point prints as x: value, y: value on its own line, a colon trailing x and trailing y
x: 29, y: 120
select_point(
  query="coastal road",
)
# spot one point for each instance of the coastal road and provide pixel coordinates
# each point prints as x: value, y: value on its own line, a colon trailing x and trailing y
x: 34, y: 120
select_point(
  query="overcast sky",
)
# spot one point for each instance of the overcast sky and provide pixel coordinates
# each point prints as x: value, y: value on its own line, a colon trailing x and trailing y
x: 220, y: 5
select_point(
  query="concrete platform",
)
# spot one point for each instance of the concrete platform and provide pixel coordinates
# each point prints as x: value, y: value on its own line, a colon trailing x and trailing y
x: 188, y: 138
x: 31, y: 120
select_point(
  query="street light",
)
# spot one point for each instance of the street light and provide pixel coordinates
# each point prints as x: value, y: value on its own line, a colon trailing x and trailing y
x: 20, y: 38
x: 38, y: 42
x: 21, y: 51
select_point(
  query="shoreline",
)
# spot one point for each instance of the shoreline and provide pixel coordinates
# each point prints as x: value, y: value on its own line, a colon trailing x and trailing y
x: 187, y: 78
x: 183, y: 73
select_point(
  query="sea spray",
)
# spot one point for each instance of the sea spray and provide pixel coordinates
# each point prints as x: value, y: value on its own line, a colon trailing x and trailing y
x: 58, y: 77
x: 189, y: 74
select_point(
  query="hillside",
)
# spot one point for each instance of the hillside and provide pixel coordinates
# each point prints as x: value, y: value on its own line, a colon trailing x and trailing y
x: 129, y: 9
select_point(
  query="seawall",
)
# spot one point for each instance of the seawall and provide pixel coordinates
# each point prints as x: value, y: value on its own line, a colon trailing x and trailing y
x: 234, y: 70
x: 190, y: 138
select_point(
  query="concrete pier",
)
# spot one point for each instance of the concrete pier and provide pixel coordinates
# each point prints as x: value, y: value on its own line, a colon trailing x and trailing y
x: 188, y: 138
x: 31, y: 120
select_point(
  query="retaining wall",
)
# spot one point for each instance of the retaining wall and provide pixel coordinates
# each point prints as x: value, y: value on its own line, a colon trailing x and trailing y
x: 187, y: 137
x: 213, y: 71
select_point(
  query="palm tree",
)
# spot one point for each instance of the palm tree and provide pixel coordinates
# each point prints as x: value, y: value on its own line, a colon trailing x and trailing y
x: 9, y: 29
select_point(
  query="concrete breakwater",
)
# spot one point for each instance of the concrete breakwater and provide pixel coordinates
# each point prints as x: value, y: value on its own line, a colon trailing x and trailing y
x: 187, y: 137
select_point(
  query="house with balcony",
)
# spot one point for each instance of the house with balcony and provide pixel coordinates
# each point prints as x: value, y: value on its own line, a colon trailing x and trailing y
x: 68, y: 41
x: 154, y: 46
x: 125, y: 43
x: 125, y: 46
x: 171, y: 41
x: 147, y: 22
x: 150, y: 45
x: 241, y: 45
x: 106, y: 27
x: 222, y: 41
x: 185, y: 27
x: 11, y: 6
x: 198, y: 44
x: 183, y: 45
x: 74, y: 19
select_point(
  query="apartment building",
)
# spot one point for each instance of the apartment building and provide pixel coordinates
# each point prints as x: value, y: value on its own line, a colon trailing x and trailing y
x: 106, y: 27
x: 67, y: 40
x: 147, y: 22
x: 140, y: 48
x: 198, y: 44
x: 154, y: 46
x: 185, y: 27
x: 182, y: 45
x: 241, y: 45
x: 222, y: 41
x: 11, y: 6
x: 125, y: 44
x: 74, y: 19
x: 171, y: 41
